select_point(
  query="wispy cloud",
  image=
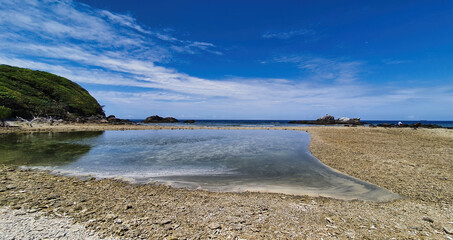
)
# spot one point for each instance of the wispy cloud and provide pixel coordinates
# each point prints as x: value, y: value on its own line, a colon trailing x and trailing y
x: 352, y: 101
x: 321, y: 69
x: 287, y: 34
x: 59, y: 23
x: 95, y: 46
x: 394, y: 61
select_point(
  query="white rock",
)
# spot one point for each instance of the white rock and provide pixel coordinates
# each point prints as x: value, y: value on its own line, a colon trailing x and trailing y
x: 19, y: 224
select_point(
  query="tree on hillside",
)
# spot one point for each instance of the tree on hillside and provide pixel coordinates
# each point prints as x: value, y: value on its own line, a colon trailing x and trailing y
x: 31, y: 93
x: 4, y: 114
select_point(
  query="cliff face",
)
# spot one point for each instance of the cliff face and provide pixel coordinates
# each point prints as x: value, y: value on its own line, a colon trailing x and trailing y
x: 35, y: 93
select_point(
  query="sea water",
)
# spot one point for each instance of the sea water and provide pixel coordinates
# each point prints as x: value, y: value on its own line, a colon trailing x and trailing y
x: 217, y: 160
x: 280, y: 123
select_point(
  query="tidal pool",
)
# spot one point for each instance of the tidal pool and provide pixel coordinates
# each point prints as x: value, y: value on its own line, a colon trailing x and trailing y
x: 217, y: 160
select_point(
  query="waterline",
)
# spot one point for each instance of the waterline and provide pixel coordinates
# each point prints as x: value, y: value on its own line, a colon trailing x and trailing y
x: 216, y: 160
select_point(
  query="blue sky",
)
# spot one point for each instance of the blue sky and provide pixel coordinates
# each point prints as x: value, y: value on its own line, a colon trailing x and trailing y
x: 243, y: 59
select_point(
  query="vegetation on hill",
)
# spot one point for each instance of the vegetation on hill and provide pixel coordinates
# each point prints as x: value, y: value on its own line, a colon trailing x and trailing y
x: 30, y: 93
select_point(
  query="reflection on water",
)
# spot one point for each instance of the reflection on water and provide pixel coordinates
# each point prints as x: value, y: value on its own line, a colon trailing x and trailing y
x: 216, y: 160
x: 43, y: 149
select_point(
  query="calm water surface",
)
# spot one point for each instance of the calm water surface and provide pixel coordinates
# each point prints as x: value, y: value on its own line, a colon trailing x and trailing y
x: 279, y: 123
x: 216, y: 160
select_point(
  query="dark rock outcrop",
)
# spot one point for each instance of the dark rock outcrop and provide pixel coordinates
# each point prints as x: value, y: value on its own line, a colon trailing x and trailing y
x: 118, y: 121
x: 189, y: 121
x: 386, y: 125
x: 327, y: 119
x: 346, y: 120
x: 330, y: 120
x: 158, y: 119
x: 405, y: 125
x: 302, y: 122
x: 100, y: 120
x: 92, y: 119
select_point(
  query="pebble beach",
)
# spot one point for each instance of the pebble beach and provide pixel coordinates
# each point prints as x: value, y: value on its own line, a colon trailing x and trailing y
x: 416, y: 164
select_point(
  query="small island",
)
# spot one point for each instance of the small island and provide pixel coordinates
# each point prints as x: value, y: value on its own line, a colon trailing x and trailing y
x: 159, y: 119
x: 330, y: 120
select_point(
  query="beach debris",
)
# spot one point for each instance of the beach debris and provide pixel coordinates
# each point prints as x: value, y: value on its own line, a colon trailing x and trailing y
x: 214, y: 226
x: 121, y: 230
x: 236, y: 227
x: 418, y: 228
x: 110, y: 216
x: 329, y: 220
x: 38, y: 119
x: 428, y: 219
x: 164, y: 221
x: 448, y: 230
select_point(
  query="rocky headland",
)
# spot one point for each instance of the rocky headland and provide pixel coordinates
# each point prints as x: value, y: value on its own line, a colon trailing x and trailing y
x: 29, y: 94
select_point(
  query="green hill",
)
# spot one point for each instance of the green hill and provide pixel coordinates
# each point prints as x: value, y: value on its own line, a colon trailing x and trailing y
x: 35, y: 93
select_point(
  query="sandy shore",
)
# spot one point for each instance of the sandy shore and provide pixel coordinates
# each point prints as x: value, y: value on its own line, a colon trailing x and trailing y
x: 416, y: 164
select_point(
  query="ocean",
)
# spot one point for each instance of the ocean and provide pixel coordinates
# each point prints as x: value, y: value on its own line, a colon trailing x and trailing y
x: 279, y: 123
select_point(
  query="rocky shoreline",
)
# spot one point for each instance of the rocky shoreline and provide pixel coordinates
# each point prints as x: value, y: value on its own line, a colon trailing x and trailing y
x: 413, y: 163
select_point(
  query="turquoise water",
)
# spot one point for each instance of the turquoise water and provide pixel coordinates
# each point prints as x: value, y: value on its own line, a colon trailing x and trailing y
x: 216, y: 160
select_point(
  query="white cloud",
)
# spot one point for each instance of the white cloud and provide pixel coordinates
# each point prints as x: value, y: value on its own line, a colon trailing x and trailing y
x: 95, y: 46
x: 66, y: 21
x: 309, y: 104
x: 340, y: 71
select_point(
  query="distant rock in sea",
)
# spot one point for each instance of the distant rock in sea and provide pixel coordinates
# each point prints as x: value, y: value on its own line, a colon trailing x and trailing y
x: 346, y: 120
x: 330, y: 120
x: 158, y: 119
x: 117, y: 121
x: 405, y: 125
x: 327, y: 119
x: 189, y: 121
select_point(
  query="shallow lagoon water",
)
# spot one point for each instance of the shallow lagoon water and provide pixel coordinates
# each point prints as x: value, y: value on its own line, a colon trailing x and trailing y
x: 216, y: 160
